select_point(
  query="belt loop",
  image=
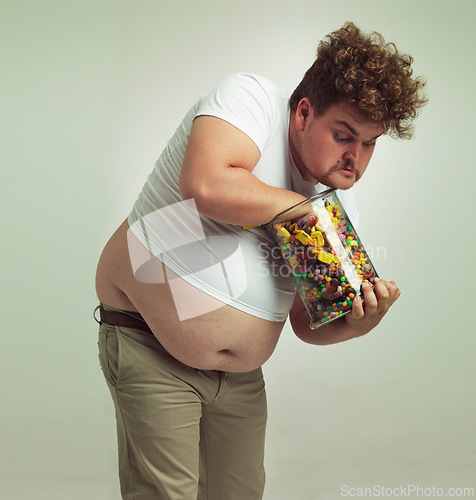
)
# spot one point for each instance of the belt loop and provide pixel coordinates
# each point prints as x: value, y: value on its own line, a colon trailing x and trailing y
x: 94, y: 314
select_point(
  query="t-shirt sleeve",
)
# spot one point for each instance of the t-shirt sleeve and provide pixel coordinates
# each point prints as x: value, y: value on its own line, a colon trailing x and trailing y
x: 246, y: 102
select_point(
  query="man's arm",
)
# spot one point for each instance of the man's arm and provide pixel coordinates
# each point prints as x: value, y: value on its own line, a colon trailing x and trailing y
x: 217, y: 174
x: 358, y: 322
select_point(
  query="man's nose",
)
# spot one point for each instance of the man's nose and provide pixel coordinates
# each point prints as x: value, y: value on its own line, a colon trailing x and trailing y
x: 352, y: 153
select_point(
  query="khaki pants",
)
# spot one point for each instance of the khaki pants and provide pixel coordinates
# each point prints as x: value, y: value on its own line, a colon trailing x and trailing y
x: 182, y: 434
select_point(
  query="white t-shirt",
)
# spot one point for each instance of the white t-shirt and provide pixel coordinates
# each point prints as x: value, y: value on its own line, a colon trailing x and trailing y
x: 237, y: 266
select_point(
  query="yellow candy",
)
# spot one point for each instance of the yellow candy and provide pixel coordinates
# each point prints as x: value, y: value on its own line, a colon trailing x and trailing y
x: 303, y: 237
x: 293, y: 261
x: 319, y: 239
x: 283, y: 234
x: 319, y: 226
x: 325, y: 257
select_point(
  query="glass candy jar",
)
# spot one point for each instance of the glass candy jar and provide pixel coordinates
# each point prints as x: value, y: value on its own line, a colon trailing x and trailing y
x: 325, y: 255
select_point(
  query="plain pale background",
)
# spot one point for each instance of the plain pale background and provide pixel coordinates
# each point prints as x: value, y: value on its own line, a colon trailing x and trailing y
x: 91, y: 91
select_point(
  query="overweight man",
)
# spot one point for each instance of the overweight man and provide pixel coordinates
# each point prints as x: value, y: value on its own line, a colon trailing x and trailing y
x: 187, y: 315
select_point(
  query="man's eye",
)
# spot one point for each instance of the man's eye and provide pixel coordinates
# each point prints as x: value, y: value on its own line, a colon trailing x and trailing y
x: 341, y: 138
x: 369, y: 144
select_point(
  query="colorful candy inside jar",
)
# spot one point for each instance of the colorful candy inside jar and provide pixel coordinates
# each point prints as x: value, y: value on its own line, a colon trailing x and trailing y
x: 326, y: 256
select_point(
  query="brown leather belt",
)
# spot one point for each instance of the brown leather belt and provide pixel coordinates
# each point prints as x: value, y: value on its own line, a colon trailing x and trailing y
x: 125, y: 319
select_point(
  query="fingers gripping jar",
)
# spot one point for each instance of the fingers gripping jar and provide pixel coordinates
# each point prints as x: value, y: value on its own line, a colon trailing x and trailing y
x: 325, y: 255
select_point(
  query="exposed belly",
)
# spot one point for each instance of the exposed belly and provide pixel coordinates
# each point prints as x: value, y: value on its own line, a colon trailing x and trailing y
x: 223, y: 338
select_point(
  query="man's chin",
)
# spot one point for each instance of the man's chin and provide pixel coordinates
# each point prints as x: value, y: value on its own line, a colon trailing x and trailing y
x: 341, y: 184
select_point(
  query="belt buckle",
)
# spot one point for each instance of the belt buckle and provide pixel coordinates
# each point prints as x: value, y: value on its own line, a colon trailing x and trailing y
x: 94, y: 314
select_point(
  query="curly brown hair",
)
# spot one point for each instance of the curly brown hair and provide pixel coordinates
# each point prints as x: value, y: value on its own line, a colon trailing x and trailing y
x: 367, y: 72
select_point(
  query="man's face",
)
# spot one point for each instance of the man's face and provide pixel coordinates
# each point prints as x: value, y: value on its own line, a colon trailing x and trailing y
x: 334, y: 147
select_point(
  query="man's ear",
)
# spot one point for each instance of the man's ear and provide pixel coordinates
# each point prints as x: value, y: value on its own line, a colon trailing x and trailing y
x: 303, y: 112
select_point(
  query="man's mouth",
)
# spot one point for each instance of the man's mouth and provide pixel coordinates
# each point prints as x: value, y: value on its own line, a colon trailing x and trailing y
x: 348, y: 171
